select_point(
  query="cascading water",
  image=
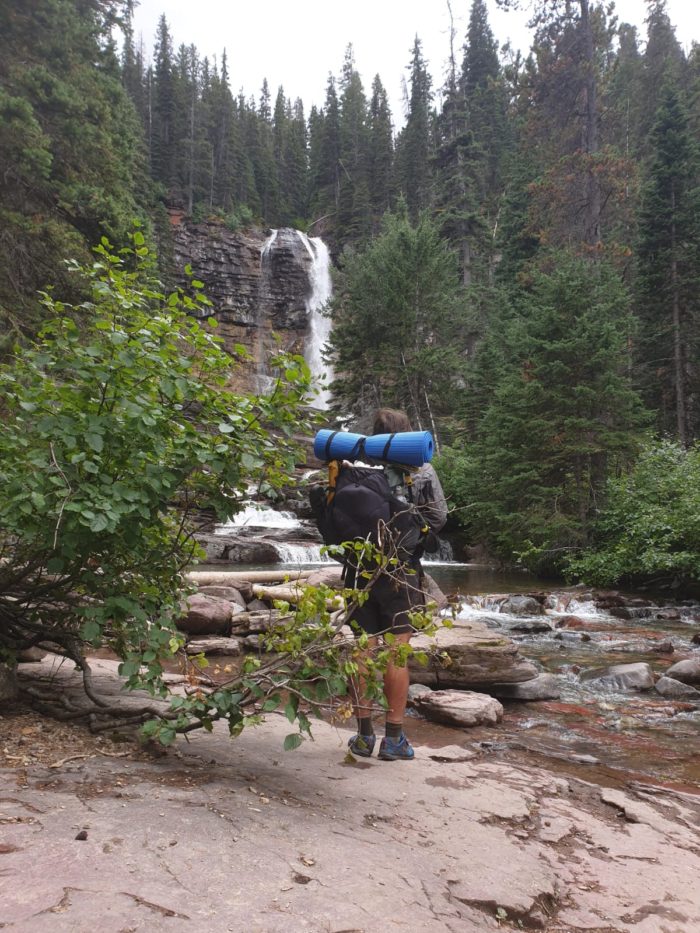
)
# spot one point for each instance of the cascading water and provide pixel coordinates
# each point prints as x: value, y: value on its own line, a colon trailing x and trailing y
x: 319, y: 324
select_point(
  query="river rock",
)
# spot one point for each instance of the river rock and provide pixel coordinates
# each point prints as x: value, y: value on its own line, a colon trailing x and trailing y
x: 637, y: 676
x: 206, y: 615
x: 688, y: 671
x: 676, y: 689
x: 231, y: 549
x: 610, y: 599
x: 225, y: 646
x: 469, y: 655
x: 543, y: 687
x: 668, y: 615
x: 572, y: 638
x: 460, y: 708
x: 433, y: 593
x: 233, y: 594
x: 521, y: 606
x: 695, y: 640
x: 326, y: 576
x: 417, y: 690
x: 530, y: 626
x: 620, y: 612
x: 258, y: 605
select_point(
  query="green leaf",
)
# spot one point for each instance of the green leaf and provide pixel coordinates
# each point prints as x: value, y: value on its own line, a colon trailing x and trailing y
x: 290, y: 709
x: 167, y: 735
x: 292, y: 741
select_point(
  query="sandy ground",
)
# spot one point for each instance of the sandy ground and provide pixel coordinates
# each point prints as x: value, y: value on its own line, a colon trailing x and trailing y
x: 220, y: 835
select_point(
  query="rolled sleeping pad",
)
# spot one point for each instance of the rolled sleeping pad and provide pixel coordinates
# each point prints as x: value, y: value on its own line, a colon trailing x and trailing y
x: 412, y: 448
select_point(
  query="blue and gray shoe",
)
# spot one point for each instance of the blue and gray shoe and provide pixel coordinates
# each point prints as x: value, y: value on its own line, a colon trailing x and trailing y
x: 362, y: 745
x: 396, y: 749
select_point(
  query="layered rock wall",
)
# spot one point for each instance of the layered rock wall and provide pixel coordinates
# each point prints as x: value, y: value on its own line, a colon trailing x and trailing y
x: 256, y: 292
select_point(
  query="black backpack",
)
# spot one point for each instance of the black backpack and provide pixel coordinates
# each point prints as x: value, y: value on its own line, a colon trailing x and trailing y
x: 352, y: 506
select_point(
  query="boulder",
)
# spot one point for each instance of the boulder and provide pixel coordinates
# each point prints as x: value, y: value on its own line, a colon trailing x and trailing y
x: 530, y: 626
x: 225, y: 646
x: 417, y: 690
x: 668, y: 615
x: 606, y: 600
x: 326, y: 576
x: 205, y: 615
x: 257, y: 605
x: 433, y: 592
x: 578, y: 624
x: 521, y: 606
x: 231, y: 549
x: 676, y: 689
x: 688, y: 671
x: 637, y: 676
x: 233, y: 594
x: 620, y: 612
x: 469, y: 655
x: 664, y: 647
x: 572, y: 638
x: 460, y: 708
x: 543, y: 687
x: 695, y: 640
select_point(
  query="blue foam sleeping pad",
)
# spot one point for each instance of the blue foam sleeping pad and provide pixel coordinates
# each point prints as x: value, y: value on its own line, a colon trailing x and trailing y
x: 412, y: 448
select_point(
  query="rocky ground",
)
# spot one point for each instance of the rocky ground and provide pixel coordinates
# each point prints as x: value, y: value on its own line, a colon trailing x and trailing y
x: 219, y: 835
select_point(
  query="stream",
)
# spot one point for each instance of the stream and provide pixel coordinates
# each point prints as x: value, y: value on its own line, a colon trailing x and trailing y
x: 611, y: 736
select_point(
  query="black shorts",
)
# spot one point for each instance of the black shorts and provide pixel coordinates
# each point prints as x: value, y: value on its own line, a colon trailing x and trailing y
x: 390, y: 601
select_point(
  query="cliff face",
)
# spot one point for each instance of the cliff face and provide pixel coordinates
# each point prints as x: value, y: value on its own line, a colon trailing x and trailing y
x: 256, y: 290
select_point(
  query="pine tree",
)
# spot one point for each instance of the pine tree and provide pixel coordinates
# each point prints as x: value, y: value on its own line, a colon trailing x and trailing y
x: 324, y: 154
x: 396, y: 324
x: 561, y: 415
x: 414, y: 145
x: 380, y: 156
x: 668, y: 278
x: 70, y: 149
x: 163, y: 109
x: 263, y: 160
x: 353, y: 219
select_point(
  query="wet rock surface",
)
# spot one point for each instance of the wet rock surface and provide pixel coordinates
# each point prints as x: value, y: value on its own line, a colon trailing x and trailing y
x: 469, y: 656
x: 253, y: 297
x: 222, y: 835
x: 462, y: 708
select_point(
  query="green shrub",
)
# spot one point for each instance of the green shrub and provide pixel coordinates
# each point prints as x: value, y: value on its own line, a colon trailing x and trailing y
x: 650, y: 525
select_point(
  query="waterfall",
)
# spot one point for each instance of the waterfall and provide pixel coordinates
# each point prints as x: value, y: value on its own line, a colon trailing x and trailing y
x: 319, y: 325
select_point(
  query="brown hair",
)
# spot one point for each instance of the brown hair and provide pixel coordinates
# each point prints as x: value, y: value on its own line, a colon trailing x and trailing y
x: 390, y: 421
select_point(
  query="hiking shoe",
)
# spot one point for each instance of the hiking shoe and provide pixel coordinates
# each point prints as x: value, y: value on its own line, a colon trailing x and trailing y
x: 396, y: 749
x: 362, y: 745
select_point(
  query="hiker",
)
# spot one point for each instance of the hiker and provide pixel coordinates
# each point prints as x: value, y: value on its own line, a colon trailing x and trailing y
x: 392, y: 597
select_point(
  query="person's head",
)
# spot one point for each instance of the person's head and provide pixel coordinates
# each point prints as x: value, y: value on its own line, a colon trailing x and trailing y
x: 390, y: 421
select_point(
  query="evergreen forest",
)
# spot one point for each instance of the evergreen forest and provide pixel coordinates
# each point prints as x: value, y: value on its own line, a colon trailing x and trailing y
x: 516, y: 256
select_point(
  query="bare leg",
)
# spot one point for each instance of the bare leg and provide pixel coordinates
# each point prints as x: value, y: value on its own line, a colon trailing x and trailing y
x: 396, y: 683
x: 362, y: 705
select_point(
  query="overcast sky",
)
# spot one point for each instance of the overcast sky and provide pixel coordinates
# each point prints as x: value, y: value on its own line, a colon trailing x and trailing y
x: 298, y: 44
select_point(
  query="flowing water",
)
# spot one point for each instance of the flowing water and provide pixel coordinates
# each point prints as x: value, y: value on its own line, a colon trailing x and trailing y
x: 614, y: 735
x: 611, y: 736
x: 319, y: 324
